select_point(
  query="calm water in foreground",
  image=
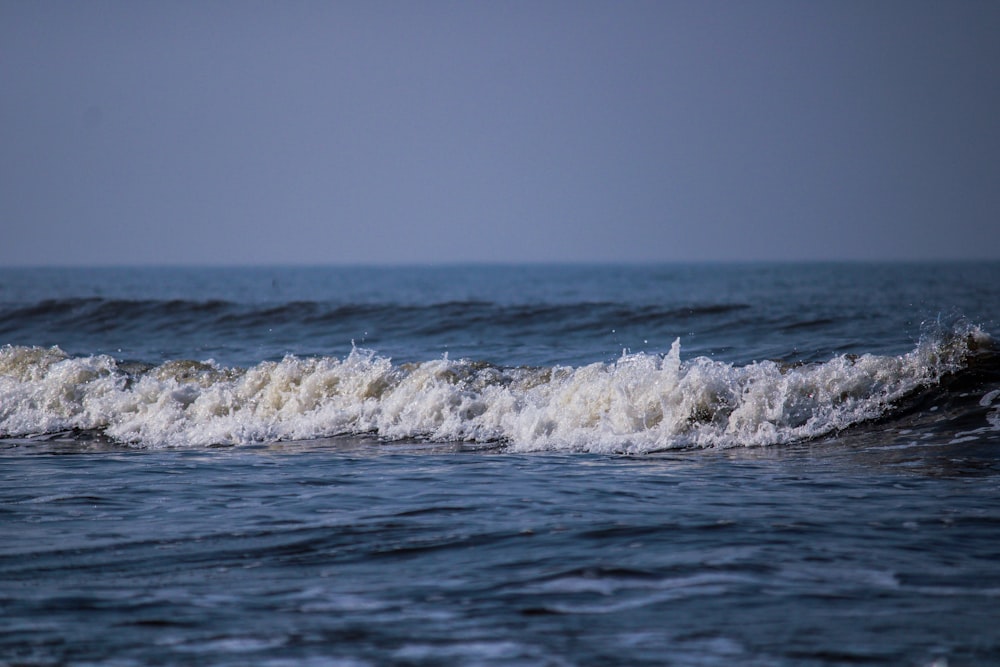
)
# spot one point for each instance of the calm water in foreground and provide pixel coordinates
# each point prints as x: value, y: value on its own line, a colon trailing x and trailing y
x: 669, y: 465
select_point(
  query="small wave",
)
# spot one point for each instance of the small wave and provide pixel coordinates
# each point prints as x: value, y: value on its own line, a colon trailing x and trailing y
x: 104, y: 315
x: 639, y: 403
x: 99, y: 312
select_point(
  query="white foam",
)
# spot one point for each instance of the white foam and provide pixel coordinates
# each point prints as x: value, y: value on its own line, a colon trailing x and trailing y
x: 639, y: 403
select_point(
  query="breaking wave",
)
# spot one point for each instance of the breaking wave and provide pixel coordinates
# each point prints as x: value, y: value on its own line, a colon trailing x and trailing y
x: 639, y: 403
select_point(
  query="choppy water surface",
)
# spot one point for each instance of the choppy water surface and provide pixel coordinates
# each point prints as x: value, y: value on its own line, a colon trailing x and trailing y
x: 787, y: 465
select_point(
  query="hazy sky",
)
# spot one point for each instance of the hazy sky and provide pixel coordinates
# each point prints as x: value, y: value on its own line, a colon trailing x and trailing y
x: 421, y: 131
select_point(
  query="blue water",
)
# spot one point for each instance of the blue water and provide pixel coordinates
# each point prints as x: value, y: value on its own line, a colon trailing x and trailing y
x: 568, y: 465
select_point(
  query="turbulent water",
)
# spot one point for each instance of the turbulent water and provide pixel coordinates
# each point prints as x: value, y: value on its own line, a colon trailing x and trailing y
x: 704, y: 464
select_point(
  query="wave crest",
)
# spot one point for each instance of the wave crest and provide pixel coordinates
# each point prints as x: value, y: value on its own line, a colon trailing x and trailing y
x: 639, y: 403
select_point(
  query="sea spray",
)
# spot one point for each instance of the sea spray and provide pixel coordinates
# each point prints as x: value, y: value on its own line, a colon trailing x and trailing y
x: 639, y: 403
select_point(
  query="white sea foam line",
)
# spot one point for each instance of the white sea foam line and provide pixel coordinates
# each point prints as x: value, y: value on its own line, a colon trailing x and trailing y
x: 989, y: 397
x: 676, y: 588
x: 909, y: 445
x: 639, y: 403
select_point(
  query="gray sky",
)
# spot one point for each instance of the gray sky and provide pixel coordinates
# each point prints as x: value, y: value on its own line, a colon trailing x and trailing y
x: 330, y: 132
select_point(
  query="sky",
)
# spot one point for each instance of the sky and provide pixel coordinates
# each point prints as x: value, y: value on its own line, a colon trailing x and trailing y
x: 418, y: 132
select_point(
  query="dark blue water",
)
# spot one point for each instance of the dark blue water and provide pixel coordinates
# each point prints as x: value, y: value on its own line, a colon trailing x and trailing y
x: 508, y: 315
x: 810, y: 477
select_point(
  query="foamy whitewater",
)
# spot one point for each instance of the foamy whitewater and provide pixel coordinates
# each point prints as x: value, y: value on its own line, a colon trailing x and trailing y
x: 692, y: 465
x: 639, y: 403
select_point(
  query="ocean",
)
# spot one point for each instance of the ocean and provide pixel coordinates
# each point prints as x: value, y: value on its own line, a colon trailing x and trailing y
x: 703, y: 464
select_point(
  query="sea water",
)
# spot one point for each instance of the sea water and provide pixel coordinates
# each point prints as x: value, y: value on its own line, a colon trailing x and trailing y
x: 542, y: 465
